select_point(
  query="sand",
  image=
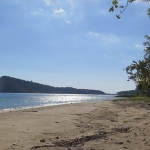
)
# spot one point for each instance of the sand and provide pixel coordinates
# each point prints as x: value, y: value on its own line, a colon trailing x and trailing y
x: 102, y: 125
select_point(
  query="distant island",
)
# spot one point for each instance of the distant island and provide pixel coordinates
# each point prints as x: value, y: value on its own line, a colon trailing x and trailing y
x: 14, y: 85
x: 130, y: 92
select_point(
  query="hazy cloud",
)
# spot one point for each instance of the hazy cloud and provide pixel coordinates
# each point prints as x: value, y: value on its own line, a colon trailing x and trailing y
x: 110, y: 38
x: 137, y: 46
x: 105, y: 56
x: 37, y: 12
x: 47, y: 2
x: 33, y: 13
x: 92, y: 33
x: 102, y: 12
x: 67, y: 21
x: 59, y: 10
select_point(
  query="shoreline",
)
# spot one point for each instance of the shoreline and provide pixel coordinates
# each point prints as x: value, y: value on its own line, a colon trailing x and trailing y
x: 50, y: 105
x: 15, y: 101
x: 100, y: 125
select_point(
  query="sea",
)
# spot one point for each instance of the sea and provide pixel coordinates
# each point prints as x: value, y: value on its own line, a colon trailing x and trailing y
x: 11, y: 101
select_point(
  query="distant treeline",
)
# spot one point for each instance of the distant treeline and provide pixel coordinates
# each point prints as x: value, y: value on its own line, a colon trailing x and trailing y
x: 131, y: 92
x: 14, y: 85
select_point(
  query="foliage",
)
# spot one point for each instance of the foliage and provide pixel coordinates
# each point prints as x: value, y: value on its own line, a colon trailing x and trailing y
x: 148, y: 12
x: 131, y: 92
x: 136, y: 98
x: 139, y: 72
x: 139, y: 98
x: 115, y: 4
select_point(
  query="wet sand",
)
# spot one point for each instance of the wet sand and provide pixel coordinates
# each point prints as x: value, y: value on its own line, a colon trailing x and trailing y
x: 103, y: 125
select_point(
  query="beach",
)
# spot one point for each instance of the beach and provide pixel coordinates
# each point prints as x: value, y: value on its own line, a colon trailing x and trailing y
x: 101, y: 125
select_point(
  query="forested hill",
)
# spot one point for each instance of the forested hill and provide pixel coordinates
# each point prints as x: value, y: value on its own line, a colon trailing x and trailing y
x: 130, y: 92
x: 14, y: 85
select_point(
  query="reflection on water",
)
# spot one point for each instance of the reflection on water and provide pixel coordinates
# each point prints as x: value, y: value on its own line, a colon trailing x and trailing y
x: 22, y: 100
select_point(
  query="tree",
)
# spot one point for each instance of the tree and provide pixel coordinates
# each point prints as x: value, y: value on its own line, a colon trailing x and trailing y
x: 139, y: 72
x: 115, y: 4
x: 147, y: 45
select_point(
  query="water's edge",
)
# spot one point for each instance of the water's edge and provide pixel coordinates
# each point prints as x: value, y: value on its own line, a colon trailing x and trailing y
x: 15, y: 101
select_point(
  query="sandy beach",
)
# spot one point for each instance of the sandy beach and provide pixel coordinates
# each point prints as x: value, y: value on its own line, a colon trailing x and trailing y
x: 102, y: 125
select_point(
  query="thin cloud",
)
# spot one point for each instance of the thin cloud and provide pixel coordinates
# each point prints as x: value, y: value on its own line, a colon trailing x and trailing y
x: 93, y: 34
x: 138, y: 46
x: 110, y: 38
x: 38, y: 12
x: 102, y: 12
x: 59, y: 10
x: 138, y: 54
x: 105, y: 56
x: 121, y: 54
x: 68, y: 22
x: 34, y: 13
x: 47, y: 2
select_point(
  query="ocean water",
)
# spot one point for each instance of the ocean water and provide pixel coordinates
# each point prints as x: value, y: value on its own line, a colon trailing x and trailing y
x: 10, y: 101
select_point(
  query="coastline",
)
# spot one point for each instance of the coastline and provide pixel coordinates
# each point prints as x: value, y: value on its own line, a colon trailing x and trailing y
x: 101, y: 125
x: 46, y: 105
x: 14, y: 101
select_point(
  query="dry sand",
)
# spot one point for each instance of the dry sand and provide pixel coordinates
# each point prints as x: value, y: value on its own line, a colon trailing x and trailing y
x: 103, y: 125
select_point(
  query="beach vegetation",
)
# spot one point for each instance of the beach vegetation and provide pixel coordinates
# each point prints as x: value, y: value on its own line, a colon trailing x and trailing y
x: 138, y: 71
x: 129, y: 93
x: 135, y: 98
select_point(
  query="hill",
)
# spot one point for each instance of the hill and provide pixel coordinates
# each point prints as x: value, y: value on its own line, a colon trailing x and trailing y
x: 130, y: 92
x: 14, y: 85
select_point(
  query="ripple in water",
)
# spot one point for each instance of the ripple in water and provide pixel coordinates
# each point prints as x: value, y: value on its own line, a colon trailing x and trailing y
x: 23, y: 100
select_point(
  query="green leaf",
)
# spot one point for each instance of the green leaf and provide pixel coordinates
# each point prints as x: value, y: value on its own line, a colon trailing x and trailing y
x: 130, y: 1
x: 111, y: 9
x: 115, y: 2
x: 116, y: 6
x: 118, y: 16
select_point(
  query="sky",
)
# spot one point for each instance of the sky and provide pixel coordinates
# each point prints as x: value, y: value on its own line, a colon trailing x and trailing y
x: 71, y: 43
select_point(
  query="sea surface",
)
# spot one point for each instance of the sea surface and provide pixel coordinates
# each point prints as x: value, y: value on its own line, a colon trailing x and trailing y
x: 9, y: 101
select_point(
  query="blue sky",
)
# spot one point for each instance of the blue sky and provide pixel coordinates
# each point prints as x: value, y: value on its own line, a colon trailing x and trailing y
x: 71, y: 43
